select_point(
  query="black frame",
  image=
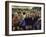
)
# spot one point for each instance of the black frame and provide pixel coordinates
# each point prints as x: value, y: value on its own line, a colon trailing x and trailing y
x: 7, y: 17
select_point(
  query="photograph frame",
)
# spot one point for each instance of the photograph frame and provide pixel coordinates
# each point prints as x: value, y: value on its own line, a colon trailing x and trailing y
x: 7, y: 17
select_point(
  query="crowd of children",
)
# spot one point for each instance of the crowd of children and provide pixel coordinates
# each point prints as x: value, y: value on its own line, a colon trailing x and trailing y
x: 26, y: 20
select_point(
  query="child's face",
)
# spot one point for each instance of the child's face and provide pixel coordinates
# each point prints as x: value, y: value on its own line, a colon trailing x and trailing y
x: 23, y: 15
